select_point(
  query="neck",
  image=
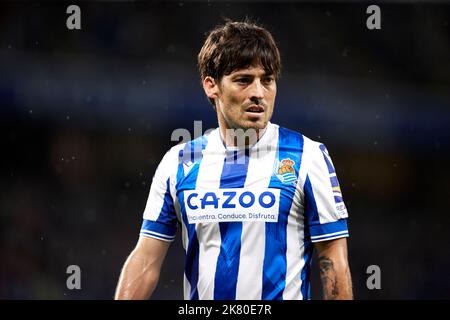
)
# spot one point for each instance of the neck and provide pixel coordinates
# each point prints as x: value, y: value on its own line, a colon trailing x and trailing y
x: 240, y: 137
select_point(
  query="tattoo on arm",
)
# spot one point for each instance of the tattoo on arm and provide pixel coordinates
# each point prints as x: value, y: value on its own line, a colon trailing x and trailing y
x: 328, y: 277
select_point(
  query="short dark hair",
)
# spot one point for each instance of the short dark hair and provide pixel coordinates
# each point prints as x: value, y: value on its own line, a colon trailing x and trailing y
x: 237, y: 45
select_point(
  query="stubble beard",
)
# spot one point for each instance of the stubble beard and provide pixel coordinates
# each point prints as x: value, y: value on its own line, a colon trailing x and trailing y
x: 243, y: 133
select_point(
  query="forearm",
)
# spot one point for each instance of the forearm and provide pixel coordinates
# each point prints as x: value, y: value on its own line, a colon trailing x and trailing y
x: 336, y: 279
x: 138, y: 279
x: 335, y: 270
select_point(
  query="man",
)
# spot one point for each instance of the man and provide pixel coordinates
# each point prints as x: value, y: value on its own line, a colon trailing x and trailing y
x: 252, y: 198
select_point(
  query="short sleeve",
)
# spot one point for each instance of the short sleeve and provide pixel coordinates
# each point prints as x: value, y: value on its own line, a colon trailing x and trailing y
x: 160, y: 220
x: 325, y: 210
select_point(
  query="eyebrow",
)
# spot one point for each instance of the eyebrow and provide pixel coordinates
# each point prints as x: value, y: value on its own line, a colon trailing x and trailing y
x: 247, y: 74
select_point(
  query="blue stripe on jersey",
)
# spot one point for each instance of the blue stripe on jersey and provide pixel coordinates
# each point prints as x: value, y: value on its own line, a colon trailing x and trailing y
x: 167, y: 214
x: 188, y: 182
x: 306, y: 271
x: 325, y: 156
x: 166, y: 230
x: 234, y: 173
x: 166, y: 223
x: 235, y: 168
x: 327, y: 228
x: 290, y: 146
x: 311, y: 213
x: 339, y: 235
x: 334, y: 180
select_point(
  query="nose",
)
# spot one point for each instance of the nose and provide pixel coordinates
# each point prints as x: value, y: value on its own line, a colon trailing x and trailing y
x: 257, y: 90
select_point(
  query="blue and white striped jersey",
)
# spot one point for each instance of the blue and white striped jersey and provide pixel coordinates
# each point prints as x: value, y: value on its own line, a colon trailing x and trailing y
x: 248, y: 217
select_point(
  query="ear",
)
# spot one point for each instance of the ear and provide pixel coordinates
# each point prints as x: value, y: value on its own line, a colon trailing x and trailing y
x: 211, y: 87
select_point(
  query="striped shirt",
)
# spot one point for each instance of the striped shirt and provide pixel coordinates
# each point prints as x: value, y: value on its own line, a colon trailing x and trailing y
x: 248, y: 216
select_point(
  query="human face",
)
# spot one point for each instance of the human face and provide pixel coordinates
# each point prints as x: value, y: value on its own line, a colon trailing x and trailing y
x: 244, y: 99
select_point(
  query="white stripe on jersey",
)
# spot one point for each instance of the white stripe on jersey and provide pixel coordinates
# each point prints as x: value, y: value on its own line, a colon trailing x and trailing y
x: 186, y: 287
x: 159, y: 235
x: 167, y: 166
x: 155, y: 199
x: 328, y: 235
x: 342, y: 235
x: 260, y: 170
x: 208, y: 234
x: 294, y: 253
x: 316, y: 167
x: 295, y: 237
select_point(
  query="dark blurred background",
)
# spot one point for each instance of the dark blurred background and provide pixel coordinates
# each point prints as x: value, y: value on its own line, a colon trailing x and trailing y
x: 86, y: 116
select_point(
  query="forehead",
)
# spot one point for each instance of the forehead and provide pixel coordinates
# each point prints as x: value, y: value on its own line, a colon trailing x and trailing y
x: 257, y: 70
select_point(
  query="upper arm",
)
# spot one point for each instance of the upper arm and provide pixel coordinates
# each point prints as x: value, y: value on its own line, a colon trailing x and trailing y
x: 151, y: 248
x: 159, y: 217
x: 333, y: 248
x: 325, y: 211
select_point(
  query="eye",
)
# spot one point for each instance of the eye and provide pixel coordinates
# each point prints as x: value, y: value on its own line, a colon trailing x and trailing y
x: 243, y: 80
x: 268, y: 80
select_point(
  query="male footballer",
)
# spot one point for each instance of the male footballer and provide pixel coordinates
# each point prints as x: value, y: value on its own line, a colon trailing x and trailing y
x: 252, y: 209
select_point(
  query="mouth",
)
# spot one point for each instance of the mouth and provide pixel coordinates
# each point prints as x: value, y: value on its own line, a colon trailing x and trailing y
x: 255, y: 109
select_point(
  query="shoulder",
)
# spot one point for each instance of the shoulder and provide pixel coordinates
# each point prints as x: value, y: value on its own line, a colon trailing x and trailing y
x: 286, y: 133
x: 288, y: 140
x: 312, y: 150
x: 189, y: 151
x: 313, y: 147
x: 308, y: 145
x: 316, y: 154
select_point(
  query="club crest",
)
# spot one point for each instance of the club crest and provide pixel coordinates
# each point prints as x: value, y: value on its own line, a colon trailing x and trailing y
x: 285, y: 172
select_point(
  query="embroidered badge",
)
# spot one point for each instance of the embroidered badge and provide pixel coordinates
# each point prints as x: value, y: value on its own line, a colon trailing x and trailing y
x: 285, y: 172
